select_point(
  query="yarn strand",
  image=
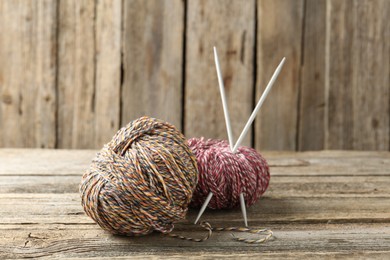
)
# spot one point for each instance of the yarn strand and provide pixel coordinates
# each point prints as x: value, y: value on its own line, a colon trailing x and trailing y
x: 205, y: 225
x: 210, y: 230
x: 252, y: 231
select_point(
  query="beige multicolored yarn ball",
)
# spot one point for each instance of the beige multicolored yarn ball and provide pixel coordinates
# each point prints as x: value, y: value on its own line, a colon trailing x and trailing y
x: 142, y: 180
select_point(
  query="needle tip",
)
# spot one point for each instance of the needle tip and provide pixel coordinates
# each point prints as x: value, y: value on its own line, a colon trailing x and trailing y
x: 243, y: 209
x: 202, y: 209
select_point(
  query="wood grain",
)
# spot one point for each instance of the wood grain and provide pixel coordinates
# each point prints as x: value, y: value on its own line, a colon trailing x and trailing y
x: 280, y: 185
x: 311, y: 129
x: 230, y: 26
x: 66, y: 208
x: 76, y: 73
x: 42, y: 162
x: 108, y: 33
x: 323, y: 204
x: 82, y: 241
x: 89, y: 72
x: 153, y: 57
x: 28, y: 73
x: 358, y: 78
x: 279, y: 35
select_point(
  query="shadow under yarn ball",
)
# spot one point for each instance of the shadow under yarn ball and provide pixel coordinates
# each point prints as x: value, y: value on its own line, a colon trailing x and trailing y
x: 142, y: 180
x: 227, y: 174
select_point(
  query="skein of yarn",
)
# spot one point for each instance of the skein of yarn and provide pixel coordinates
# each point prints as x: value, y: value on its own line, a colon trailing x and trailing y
x: 227, y: 174
x: 142, y: 180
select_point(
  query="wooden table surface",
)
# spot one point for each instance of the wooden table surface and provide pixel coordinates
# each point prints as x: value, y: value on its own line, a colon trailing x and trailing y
x: 328, y: 203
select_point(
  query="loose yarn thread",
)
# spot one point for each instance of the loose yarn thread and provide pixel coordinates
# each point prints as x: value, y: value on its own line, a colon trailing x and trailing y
x: 227, y: 174
x: 142, y: 180
x: 207, y: 226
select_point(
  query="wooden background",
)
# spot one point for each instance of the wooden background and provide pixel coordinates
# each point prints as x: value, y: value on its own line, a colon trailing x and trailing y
x: 72, y: 72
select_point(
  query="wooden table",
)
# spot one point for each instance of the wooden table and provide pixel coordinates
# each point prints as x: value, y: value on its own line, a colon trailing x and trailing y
x: 329, y: 203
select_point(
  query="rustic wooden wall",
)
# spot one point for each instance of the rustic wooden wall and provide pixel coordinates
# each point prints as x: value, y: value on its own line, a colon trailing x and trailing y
x: 72, y: 72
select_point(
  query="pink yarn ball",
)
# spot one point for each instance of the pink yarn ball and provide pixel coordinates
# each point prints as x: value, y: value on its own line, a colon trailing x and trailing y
x: 227, y: 174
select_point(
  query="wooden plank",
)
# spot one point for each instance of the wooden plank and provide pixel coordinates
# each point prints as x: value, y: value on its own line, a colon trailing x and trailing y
x: 291, y: 240
x: 75, y: 74
x: 246, y: 255
x: 66, y: 209
x: 337, y: 155
x: 28, y: 73
x: 279, y: 35
x: 371, y: 75
x: 108, y: 24
x: 44, y: 161
x: 358, y: 75
x: 323, y: 170
x: 280, y: 185
x: 329, y: 186
x: 152, y: 58
x: 312, y: 90
x: 40, y: 184
x: 230, y: 26
x: 329, y: 163
x: 22, y: 162
x: 89, y: 72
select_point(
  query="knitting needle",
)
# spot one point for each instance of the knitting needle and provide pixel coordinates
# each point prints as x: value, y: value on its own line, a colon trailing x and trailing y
x: 202, y: 209
x: 249, y: 123
x: 243, y: 208
x: 223, y: 97
x: 230, y: 136
x: 258, y: 106
x: 227, y: 121
x: 228, y: 125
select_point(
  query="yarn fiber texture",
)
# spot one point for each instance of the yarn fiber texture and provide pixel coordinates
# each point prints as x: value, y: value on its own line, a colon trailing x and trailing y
x: 141, y: 181
x: 227, y: 174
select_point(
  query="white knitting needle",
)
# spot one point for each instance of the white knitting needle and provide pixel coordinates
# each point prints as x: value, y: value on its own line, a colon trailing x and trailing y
x: 243, y: 208
x: 228, y: 125
x: 249, y: 123
x: 227, y: 121
x: 202, y: 209
x: 258, y: 106
x: 223, y: 97
x: 230, y: 136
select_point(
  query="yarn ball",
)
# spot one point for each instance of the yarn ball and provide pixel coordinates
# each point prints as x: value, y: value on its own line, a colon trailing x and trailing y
x: 141, y: 181
x: 227, y: 174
